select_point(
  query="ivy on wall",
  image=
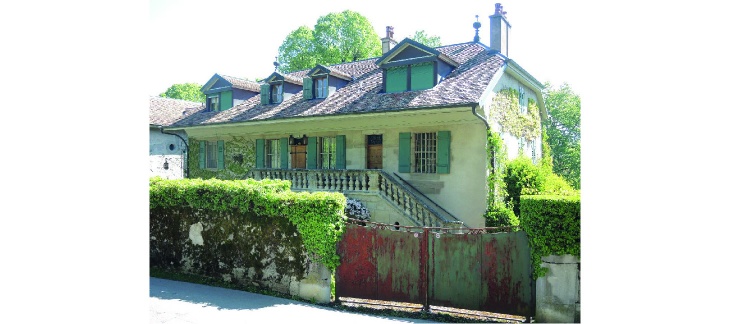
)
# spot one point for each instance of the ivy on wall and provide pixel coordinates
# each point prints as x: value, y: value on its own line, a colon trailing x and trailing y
x: 506, y: 111
x: 240, y: 157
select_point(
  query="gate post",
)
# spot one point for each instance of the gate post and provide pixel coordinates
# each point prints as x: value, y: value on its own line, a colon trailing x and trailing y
x: 424, y: 282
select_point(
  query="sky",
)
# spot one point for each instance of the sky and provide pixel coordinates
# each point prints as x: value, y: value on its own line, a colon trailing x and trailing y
x: 192, y: 40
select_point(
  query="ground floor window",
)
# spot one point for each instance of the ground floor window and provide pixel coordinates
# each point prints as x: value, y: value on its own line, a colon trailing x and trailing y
x: 327, y: 153
x: 424, y: 152
x: 273, y: 154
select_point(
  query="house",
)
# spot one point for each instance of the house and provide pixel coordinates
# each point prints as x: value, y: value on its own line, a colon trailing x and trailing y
x: 405, y: 132
x: 168, y: 149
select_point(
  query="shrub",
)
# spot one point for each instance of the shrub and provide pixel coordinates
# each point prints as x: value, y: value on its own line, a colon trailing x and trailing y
x: 499, y: 216
x: 355, y: 209
x: 522, y: 177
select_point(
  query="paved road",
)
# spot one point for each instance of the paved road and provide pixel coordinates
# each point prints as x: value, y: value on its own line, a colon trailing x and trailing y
x: 175, y: 302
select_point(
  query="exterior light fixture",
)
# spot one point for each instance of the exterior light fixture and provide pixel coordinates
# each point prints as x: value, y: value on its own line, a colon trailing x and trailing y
x: 165, y: 165
x: 298, y: 141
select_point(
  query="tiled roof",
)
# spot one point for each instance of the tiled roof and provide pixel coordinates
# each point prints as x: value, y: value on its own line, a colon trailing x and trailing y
x: 166, y: 111
x: 242, y: 84
x: 463, y: 86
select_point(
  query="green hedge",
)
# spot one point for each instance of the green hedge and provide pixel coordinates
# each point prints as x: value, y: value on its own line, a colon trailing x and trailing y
x: 318, y: 217
x: 552, y: 224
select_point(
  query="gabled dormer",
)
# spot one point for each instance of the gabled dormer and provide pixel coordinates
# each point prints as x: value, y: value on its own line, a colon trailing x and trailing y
x: 223, y: 92
x: 411, y: 66
x: 321, y: 81
x: 277, y: 88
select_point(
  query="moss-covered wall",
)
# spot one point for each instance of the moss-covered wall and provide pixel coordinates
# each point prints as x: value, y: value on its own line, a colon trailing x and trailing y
x: 240, y: 157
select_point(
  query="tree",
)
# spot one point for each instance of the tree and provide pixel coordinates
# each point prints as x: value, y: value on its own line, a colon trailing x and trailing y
x: 337, y: 38
x: 184, y: 91
x: 562, y: 128
x: 423, y: 38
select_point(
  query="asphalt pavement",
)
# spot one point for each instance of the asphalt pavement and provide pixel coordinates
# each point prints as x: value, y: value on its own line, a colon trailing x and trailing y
x: 176, y: 302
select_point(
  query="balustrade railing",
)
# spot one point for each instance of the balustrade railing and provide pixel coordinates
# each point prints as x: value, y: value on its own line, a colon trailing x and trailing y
x: 375, y: 181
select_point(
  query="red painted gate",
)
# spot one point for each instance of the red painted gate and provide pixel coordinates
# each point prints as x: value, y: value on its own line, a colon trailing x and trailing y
x: 437, y: 266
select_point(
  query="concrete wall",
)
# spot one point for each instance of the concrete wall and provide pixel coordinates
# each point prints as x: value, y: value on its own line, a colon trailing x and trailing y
x: 160, y: 152
x: 558, y: 293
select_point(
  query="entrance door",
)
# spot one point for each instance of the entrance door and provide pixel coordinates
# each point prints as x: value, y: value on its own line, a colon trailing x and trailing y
x: 375, y: 151
x: 298, y: 156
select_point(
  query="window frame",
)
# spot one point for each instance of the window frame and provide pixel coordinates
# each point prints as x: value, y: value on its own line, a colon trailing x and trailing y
x: 327, y: 152
x: 272, y: 153
x: 277, y: 92
x: 211, y: 146
x: 425, y: 152
x: 321, y: 85
x: 217, y: 98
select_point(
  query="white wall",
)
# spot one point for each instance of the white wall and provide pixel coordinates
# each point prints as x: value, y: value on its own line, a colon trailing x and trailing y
x: 160, y: 152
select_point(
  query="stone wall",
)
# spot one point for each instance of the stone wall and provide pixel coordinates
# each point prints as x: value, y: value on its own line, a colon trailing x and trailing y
x: 558, y: 293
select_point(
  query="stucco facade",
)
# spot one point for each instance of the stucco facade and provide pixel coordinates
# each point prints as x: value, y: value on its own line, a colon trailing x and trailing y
x: 167, y: 148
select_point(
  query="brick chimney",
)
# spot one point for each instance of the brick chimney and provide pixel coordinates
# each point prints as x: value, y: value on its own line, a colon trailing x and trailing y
x: 388, y: 41
x: 499, y: 30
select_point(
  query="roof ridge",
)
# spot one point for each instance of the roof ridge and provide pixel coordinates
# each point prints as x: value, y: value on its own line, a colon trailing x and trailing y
x: 168, y: 98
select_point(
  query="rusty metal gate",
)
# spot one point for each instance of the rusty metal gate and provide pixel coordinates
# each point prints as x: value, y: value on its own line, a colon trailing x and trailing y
x: 467, y: 268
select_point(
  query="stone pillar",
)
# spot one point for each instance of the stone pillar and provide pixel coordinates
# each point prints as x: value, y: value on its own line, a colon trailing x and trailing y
x: 558, y: 292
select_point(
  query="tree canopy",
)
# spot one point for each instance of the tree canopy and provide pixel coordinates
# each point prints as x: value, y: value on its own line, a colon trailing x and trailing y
x: 423, y: 38
x: 337, y: 38
x: 184, y: 91
x: 563, y: 131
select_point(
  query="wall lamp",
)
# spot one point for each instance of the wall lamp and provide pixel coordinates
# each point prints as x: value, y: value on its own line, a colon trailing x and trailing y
x: 298, y: 141
x: 165, y: 165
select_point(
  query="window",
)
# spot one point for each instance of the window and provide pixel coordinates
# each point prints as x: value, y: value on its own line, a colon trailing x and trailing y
x: 534, y: 151
x: 424, y: 150
x: 277, y: 92
x: 213, y: 103
x: 523, y: 100
x: 409, y: 77
x: 327, y: 153
x: 211, y: 155
x: 431, y: 152
x: 320, y: 85
x: 273, y: 154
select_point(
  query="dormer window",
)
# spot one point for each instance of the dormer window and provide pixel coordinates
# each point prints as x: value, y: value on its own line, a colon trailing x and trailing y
x: 214, y: 102
x: 277, y: 93
x: 320, y: 86
x: 410, y: 77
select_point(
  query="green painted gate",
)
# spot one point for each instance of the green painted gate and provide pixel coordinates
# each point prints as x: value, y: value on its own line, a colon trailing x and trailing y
x: 468, y: 268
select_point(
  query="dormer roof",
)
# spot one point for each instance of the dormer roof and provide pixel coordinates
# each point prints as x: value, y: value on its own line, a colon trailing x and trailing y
x: 320, y: 69
x: 276, y: 76
x: 409, y: 51
x: 219, y: 83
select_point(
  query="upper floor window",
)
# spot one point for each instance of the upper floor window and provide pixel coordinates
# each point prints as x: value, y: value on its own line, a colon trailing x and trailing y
x: 277, y: 93
x: 424, y: 152
x: 410, y: 77
x: 320, y: 86
x: 523, y: 100
x: 214, y: 103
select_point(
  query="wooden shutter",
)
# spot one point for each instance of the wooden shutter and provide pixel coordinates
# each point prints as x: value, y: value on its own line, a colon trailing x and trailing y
x: 340, y: 158
x: 312, y: 153
x: 404, y: 152
x: 221, y: 156
x: 443, y: 148
x: 265, y: 99
x: 260, y: 153
x: 284, y: 151
x: 396, y: 79
x: 203, y: 154
x: 308, y: 88
x: 226, y: 101
x: 422, y: 76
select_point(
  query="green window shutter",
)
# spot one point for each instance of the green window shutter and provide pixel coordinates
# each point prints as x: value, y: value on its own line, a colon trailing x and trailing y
x: 308, y: 94
x: 340, y: 158
x: 221, y: 156
x: 265, y: 94
x: 443, y: 148
x: 312, y: 153
x: 226, y: 100
x: 201, y: 157
x: 284, y: 143
x: 422, y: 76
x: 404, y: 152
x: 396, y: 79
x: 260, y: 153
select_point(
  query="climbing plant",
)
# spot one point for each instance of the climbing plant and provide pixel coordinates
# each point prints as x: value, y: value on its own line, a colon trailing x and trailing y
x: 239, y: 157
x: 506, y: 111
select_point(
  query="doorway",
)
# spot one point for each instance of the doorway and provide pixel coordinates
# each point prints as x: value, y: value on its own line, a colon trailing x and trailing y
x: 298, y: 156
x: 375, y: 151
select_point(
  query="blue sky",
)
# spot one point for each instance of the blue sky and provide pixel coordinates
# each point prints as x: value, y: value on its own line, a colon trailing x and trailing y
x: 194, y: 39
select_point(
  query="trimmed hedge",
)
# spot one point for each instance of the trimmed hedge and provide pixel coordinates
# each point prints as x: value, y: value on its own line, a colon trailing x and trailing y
x: 552, y: 224
x: 318, y: 217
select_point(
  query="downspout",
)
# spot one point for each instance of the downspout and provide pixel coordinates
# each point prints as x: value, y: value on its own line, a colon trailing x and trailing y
x: 486, y: 123
x: 187, y: 152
